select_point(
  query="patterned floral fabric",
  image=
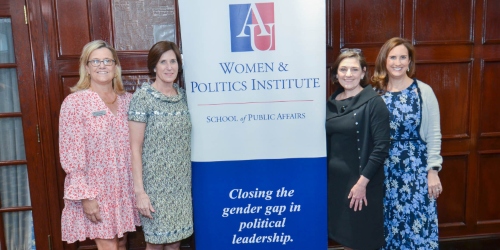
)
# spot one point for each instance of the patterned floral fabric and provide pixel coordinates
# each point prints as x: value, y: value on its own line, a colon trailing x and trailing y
x: 95, y: 154
x: 410, y: 215
x: 166, y: 163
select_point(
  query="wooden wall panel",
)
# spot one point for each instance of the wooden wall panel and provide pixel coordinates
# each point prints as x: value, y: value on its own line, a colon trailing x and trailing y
x: 489, y: 186
x: 101, y: 20
x: 491, y: 34
x: 370, y: 22
x: 72, y: 22
x: 452, y: 202
x: 489, y: 117
x: 67, y: 82
x: 444, y: 21
x: 451, y: 84
x: 448, y: 53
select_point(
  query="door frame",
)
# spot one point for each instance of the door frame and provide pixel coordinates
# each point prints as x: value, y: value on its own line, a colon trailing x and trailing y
x: 15, y: 10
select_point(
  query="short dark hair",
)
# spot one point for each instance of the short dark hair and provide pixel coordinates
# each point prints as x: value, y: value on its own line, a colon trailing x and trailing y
x: 157, y: 50
x: 351, y: 54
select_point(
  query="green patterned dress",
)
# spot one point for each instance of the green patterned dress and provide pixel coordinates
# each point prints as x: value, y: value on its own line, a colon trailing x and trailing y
x: 166, y: 163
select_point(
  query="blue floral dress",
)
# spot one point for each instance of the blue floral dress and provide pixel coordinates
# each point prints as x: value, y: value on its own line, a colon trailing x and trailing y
x: 410, y: 216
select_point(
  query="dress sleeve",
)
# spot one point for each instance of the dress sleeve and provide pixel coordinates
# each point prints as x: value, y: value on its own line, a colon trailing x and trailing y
x: 380, y: 131
x: 138, y: 109
x: 433, y: 130
x: 72, y: 151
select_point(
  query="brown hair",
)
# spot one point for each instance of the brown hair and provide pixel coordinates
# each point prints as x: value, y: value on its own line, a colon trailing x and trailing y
x: 349, y: 53
x: 84, y: 81
x: 157, y: 50
x: 380, y: 78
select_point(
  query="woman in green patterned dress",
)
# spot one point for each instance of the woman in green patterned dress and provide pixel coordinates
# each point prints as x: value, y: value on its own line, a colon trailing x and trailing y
x: 160, y: 136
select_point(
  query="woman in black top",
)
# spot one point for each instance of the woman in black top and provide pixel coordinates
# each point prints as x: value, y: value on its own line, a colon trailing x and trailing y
x: 357, y: 128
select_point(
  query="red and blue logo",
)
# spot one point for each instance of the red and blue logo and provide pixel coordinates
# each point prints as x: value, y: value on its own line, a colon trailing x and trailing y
x: 252, y: 27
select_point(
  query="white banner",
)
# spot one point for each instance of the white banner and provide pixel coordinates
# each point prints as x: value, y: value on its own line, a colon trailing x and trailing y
x: 258, y: 104
x: 255, y: 76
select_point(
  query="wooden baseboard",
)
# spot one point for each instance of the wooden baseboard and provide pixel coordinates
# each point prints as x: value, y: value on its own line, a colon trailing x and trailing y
x: 490, y: 242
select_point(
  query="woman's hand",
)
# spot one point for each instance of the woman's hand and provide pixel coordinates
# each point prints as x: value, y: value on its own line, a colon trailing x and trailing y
x: 358, y: 194
x: 435, y: 188
x: 91, y: 210
x: 144, y: 205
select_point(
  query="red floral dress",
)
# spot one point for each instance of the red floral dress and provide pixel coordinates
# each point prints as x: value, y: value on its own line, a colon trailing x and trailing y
x: 95, y: 154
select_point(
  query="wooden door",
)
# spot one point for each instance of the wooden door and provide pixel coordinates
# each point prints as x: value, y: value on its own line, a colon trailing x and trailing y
x: 23, y: 201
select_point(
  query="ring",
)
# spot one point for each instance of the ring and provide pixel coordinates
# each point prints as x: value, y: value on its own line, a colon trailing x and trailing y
x: 439, y: 189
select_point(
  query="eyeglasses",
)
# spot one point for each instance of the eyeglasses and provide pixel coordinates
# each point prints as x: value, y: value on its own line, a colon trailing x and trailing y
x: 355, y: 50
x: 96, y: 62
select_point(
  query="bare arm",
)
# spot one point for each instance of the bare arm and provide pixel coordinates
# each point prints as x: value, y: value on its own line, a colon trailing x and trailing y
x: 137, y: 130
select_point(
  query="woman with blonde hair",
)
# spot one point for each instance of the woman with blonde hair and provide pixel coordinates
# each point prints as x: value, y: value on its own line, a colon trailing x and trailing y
x: 95, y: 153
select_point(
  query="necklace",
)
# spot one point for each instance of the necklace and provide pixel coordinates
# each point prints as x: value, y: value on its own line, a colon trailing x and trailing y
x: 114, y: 100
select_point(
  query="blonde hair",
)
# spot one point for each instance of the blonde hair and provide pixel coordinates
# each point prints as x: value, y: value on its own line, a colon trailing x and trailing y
x: 84, y: 81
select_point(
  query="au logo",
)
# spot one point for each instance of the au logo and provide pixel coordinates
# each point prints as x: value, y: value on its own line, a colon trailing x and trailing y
x: 252, y: 27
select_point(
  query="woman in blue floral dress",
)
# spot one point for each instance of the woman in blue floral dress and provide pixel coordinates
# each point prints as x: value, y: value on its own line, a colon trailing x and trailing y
x: 412, y: 184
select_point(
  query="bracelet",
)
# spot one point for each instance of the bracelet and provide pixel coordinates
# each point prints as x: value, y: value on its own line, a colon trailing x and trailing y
x: 435, y: 168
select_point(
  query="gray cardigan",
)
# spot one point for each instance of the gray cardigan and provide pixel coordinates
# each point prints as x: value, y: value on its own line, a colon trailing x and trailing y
x: 430, y: 128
